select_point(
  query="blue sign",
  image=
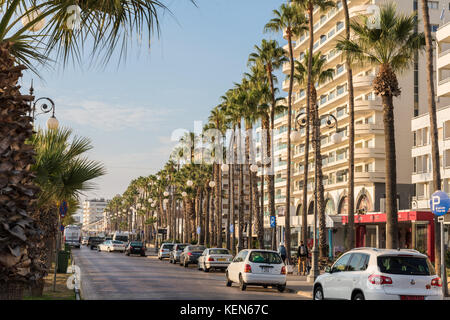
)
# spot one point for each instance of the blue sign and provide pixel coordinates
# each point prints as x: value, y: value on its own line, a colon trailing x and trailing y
x: 273, y: 221
x: 62, y: 228
x: 198, y: 230
x: 63, y: 209
x: 439, y: 203
x: 231, y: 227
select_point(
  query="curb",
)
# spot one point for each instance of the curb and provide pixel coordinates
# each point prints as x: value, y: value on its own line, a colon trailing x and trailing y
x: 304, y: 294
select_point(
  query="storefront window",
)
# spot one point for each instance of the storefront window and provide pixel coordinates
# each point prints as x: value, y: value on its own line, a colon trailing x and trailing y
x: 364, y: 204
x: 421, y: 238
x: 329, y: 207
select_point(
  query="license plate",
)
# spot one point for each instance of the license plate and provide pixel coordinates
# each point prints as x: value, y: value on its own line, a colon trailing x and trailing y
x: 266, y: 270
x: 221, y: 259
x: 412, y: 298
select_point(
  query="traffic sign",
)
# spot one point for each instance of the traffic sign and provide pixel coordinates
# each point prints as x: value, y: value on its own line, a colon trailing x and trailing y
x: 273, y: 221
x: 439, y: 203
x: 62, y: 228
x: 63, y: 209
x: 231, y: 227
x: 198, y: 230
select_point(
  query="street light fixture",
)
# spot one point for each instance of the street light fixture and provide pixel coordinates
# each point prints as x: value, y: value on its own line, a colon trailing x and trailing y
x: 184, y: 194
x: 335, y: 138
x: 212, y: 184
x: 189, y: 183
x: 254, y: 168
x: 225, y: 167
x: 166, y: 194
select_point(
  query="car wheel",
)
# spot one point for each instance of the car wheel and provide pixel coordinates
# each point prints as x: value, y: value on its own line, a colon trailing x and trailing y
x: 128, y: 254
x: 265, y: 286
x: 142, y: 254
x: 229, y: 282
x: 92, y: 248
x: 159, y: 258
x: 242, y: 285
x: 358, y: 296
x: 185, y: 264
x: 281, y: 288
x: 318, y: 293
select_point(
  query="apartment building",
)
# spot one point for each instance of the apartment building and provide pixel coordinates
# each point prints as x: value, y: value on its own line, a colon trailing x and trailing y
x: 369, y: 131
x: 93, y: 215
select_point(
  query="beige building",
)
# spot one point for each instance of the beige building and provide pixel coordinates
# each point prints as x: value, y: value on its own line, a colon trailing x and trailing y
x: 93, y: 215
x: 369, y: 132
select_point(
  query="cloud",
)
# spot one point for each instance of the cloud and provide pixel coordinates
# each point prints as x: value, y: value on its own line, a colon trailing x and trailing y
x: 111, y: 116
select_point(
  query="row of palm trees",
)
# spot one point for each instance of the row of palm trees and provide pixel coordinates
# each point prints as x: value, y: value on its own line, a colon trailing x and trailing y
x: 390, y: 49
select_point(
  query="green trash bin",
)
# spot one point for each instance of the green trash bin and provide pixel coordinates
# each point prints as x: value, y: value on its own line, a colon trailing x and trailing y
x: 63, y: 261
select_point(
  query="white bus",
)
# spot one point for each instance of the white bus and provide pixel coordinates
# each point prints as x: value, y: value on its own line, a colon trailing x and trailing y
x: 121, y: 236
x: 72, y: 236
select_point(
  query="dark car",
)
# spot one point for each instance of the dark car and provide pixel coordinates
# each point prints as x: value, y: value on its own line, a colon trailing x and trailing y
x: 93, y: 242
x: 191, y: 254
x: 135, y: 247
x: 176, y: 252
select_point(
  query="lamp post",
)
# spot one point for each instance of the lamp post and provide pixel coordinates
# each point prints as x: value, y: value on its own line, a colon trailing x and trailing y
x: 45, y: 105
x: 335, y: 138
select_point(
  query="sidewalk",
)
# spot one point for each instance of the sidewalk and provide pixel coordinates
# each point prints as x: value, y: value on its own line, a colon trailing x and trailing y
x: 299, y: 285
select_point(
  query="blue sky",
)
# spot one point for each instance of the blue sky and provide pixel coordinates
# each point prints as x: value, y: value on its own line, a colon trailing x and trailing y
x: 129, y: 111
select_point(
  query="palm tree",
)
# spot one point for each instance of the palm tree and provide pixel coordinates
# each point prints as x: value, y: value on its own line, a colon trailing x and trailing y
x: 291, y: 19
x: 271, y: 56
x: 391, y: 49
x: 62, y: 173
x: 351, y: 138
x: 319, y: 75
x: 308, y: 6
x: 433, y: 128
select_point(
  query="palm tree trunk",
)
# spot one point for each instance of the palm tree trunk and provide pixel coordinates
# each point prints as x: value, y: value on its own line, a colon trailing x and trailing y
x: 308, y: 110
x: 206, y: 214
x: 230, y: 195
x: 241, y: 195
x: 217, y: 205
x: 287, y: 230
x: 433, y: 133
x: 391, y: 174
x: 351, y: 140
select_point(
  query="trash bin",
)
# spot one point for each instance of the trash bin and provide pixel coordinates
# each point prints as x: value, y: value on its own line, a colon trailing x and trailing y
x: 63, y: 261
x: 67, y: 247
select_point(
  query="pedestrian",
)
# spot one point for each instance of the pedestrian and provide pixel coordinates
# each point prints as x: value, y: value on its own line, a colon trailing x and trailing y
x: 302, y: 253
x: 282, y: 251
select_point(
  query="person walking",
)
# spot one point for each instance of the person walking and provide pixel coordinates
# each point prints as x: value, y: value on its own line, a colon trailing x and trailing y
x: 302, y: 253
x: 282, y: 252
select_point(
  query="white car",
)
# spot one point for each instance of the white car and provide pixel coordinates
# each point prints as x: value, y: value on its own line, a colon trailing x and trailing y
x: 164, y: 250
x: 379, y: 274
x: 111, y: 245
x: 214, y: 258
x: 257, y: 267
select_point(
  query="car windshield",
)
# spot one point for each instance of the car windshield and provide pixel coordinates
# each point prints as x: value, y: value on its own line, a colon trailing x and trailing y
x: 136, y: 244
x: 219, y: 251
x: 181, y: 246
x: 197, y: 248
x: 407, y: 265
x: 167, y: 246
x: 265, y: 257
x: 117, y: 242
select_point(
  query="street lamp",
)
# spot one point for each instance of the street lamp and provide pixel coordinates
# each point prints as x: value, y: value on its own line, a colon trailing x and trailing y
x: 225, y: 167
x: 254, y: 168
x: 335, y: 138
x: 184, y: 194
x: 46, y: 105
x: 166, y: 194
x: 189, y: 183
x: 212, y: 184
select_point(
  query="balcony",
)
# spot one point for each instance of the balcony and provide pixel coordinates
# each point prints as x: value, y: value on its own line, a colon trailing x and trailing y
x: 362, y: 129
x: 443, y: 60
x: 443, y: 33
x: 365, y: 107
x: 370, y: 153
x: 363, y: 83
x: 443, y: 88
x: 374, y: 176
x: 358, y: 10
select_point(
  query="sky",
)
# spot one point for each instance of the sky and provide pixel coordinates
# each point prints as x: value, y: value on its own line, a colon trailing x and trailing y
x: 129, y: 110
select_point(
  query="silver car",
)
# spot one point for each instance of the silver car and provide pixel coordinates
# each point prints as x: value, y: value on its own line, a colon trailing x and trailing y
x: 176, y: 252
x: 214, y: 258
x: 164, y: 250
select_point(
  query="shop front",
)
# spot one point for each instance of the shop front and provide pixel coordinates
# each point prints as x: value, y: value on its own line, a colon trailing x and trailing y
x: 415, y: 230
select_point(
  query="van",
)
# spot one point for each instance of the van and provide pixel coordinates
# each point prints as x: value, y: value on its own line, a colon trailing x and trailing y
x: 72, y: 236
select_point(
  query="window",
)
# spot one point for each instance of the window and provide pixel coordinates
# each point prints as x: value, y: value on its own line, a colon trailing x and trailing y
x: 358, y: 262
x: 341, y: 264
x: 339, y: 25
x: 434, y: 27
x: 406, y: 265
x: 265, y: 257
x: 433, y: 4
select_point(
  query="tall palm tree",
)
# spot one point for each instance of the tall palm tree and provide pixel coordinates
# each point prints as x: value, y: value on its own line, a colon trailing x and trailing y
x: 271, y: 56
x: 319, y: 75
x: 391, y: 49
x: 308, y: 6
x: 433, y: 127
x: 351, y: 138
x: 291, y: 19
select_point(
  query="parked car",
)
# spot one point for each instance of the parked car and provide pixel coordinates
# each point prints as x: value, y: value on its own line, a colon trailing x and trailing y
x: 93, y: 242
x: 164, y: 250
x: 135, y: 247
x: 214, y: 258
x: 84, y: 241
x: 112, y: 245
x: 257, y: 267
x: 191, y: 254
x: 379, y: 274
x: 176, y: 252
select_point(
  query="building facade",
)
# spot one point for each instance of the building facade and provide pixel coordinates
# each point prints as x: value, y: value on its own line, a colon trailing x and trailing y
x: 93, y: 215
x: 369, y: 146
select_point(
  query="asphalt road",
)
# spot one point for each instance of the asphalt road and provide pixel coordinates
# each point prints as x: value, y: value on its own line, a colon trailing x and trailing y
x: 114, y: 276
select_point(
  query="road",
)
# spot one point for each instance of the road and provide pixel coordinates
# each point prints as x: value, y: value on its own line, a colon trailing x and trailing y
x: 114, y: 276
